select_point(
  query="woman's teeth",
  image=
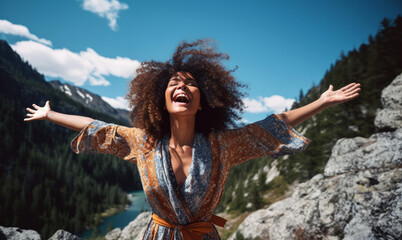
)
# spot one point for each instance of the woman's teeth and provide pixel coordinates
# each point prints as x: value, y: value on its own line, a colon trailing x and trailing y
x: 182, y: 98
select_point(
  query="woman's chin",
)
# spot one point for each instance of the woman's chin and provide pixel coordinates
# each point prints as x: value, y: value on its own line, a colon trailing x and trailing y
x: 182, y: 111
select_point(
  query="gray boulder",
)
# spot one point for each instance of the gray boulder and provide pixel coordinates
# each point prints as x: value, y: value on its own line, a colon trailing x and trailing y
x: 380, y: 151
x: 136, y: 229
x: 64, y: 235
x: 14, y: 233
x: 133, y: 231
x: 391, y: 98
x: 114, y: 234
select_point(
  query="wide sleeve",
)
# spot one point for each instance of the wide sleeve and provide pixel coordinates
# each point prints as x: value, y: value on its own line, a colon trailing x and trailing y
x: 269, y: 137
x: 100, y: 137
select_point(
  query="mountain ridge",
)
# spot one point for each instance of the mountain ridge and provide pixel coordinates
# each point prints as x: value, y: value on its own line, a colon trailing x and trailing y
x: 91, y: 100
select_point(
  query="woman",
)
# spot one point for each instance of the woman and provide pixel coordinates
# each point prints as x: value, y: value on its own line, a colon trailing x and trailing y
x: 181, y: 141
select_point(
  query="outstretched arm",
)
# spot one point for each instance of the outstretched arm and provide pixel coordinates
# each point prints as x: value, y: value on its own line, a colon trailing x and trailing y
x: 327, y: 99
x: 74, y: 122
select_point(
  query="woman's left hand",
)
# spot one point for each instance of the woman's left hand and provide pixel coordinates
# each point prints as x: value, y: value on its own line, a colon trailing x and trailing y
x: 347, y: 93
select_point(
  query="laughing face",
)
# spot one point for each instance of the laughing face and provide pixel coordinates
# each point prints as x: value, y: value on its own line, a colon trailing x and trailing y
x: 182, y: 95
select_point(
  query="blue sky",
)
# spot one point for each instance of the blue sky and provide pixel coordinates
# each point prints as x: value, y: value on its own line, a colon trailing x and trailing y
x: 280, y: 47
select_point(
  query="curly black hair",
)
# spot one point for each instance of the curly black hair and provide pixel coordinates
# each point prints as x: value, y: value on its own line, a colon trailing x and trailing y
x: 220, y: 95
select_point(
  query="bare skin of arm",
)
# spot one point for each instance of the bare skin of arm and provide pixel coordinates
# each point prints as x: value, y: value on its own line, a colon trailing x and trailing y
x: 73, y: 122
x: 327, y: 99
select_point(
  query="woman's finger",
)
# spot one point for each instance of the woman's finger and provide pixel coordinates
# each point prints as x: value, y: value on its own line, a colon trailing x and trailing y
x: 344, y: 88
x: 35, y: 106
x: 353, y: 96
x: 31, y: 110
x: 353, y: 89
x: 347, y: 86
x: 350, y: 97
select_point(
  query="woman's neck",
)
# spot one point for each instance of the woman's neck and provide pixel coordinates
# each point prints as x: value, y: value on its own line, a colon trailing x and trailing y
x: 182, y: 131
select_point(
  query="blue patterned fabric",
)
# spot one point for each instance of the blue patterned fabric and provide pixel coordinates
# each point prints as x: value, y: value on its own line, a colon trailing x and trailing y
x: 212, y: 158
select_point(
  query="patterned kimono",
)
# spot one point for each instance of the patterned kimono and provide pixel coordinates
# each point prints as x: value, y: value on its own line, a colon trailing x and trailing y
x: 212, y: 158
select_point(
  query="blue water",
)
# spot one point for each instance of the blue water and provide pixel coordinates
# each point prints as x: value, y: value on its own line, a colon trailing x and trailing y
x: 122, y: 219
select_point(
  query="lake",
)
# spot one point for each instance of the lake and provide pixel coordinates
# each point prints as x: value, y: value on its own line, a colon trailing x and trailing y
x: 122, y: 219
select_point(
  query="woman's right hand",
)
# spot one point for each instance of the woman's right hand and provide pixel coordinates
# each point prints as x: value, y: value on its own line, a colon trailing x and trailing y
x: 74, y: 122
x: 39, y: 113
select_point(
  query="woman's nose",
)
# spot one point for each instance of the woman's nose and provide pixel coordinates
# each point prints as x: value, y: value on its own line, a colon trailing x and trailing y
x: 182, y: 86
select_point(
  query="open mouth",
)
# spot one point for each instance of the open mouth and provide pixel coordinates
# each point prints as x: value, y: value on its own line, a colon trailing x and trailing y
x: 181, y: 98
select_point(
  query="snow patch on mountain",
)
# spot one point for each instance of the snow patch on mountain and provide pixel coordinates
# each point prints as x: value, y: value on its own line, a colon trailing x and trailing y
x: 67, y: 90
x: 80, y: 93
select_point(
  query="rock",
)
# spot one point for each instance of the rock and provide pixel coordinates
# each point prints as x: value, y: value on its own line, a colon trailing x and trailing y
x: 381, y: 150
x: 388, y: 119
x: 255, y: 225
x: 357, y: 229
x: 391, y: 98
x: 13, y: 233
x: 359, y: 196
x: 136, y: 229
x: 362, y: 205
x: 114, y: 234
x: 64, y: 235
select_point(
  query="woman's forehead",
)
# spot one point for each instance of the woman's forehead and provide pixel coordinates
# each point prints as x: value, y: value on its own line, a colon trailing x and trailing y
x: 182, y: 76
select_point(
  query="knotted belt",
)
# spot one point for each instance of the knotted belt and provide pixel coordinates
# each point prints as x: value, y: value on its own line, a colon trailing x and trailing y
x: 193, y: 230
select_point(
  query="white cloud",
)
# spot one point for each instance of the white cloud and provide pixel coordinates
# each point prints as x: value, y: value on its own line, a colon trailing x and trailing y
x: 75, y: 67
x: 254, y: 105
x: 20, y: 30
x: 278, y: 103
x: 119, y: 66
x: 243, y: 120
x: 106, y: 9
x: 118, y: 102
x: 275, y: 103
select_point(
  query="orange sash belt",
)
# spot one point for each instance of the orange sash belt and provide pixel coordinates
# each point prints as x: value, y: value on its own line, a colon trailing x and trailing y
x: 193, y: 230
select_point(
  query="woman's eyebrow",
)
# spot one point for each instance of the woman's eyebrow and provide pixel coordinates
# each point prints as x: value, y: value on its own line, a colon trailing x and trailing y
x: 189, y: 79
x: 178, y: 79
x: 174, y: 79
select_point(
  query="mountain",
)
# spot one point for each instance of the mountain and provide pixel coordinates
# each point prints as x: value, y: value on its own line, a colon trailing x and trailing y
x: 44, y: 186
x: 91, y: 100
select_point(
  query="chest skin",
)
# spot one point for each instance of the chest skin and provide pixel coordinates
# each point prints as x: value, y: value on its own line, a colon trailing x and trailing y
x: 181, y: 161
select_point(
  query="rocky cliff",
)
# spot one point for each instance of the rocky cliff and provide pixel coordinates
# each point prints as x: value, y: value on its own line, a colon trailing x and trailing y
x: 359, y: 195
